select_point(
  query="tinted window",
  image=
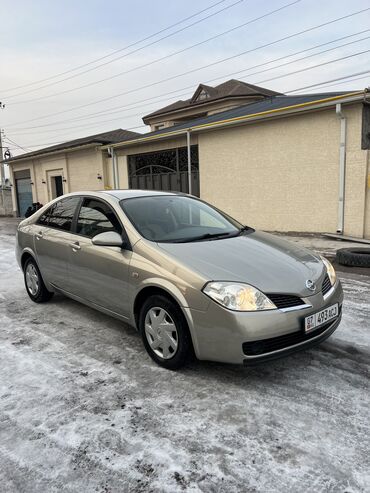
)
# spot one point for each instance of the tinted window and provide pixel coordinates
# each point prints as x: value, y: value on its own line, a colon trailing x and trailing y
x: 96, y: 217
x: 177, y: 218
x: 62, y: 212
x: 44, y: 218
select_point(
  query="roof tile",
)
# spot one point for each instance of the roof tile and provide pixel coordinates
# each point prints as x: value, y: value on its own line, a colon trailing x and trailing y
x: 111, y: 137
x: 230, y: 88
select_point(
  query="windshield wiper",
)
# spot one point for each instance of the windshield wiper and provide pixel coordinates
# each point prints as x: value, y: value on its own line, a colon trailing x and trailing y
x: 244, y: 229
x: 206, y: 236
x: 209, y: 236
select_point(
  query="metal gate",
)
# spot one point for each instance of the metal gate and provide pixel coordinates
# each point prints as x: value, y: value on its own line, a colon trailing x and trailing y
x: 165, y: 170
x: 23, y: 190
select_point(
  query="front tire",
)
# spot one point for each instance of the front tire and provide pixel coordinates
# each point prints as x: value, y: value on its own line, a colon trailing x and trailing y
x: 35, y: 286
x: 165, y: 332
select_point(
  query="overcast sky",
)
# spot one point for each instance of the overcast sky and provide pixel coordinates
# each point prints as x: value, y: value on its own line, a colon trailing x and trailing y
x: 41, y: 38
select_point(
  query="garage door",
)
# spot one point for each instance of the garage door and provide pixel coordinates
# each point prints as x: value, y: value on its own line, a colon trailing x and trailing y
x: 24, y: 194
x: 164, y: 170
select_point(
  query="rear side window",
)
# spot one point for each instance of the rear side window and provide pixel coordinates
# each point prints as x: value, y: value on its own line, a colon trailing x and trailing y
x: 61, y: 213
x: 96, y: 217
x: 43, y: 220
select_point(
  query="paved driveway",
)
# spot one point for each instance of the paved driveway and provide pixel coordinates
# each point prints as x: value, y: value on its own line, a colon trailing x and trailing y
x: 83, y: 408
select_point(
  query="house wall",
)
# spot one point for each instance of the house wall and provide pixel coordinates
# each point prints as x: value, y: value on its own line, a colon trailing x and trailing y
x: 356, y: 177
x: 84, y: 168
x: 122, y: 171
x: 280, y: 174
x: 283, y: 174
x: 79, y: 168
x: 367, y: 203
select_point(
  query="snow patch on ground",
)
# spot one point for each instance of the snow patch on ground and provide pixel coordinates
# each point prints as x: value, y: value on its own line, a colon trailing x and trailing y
x: 83, y: 408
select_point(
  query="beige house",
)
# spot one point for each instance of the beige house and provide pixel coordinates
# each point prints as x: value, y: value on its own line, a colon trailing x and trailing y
x: 45, y: 174
x: 278, y: 163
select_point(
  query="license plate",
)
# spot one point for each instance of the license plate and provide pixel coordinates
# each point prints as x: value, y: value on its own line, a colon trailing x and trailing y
x: 320, y: 318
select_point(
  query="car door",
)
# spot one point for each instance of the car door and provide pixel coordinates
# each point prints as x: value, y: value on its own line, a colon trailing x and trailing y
x: 99, y: 274
x: 52, y: 237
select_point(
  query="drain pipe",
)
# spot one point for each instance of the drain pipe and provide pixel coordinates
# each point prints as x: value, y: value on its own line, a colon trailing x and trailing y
x: 189, y: 160
x: 112, y: 155
x: 115, y: 164
x: 342, y: 166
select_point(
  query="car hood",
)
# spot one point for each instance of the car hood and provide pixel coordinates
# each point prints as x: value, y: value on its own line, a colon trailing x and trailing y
x: 265, y: 261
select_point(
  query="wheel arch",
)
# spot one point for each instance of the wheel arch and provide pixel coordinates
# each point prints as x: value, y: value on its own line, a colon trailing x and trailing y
x: 26, y: 254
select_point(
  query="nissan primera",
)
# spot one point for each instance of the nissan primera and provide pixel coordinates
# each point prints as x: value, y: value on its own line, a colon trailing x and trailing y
x: 189, y: 277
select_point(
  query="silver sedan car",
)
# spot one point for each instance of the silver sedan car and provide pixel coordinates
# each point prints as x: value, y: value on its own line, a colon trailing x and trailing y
x: 191, y: 279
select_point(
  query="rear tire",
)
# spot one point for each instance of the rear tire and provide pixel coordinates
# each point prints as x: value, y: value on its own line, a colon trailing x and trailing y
x: 34, y: 283
x: 165, y: 332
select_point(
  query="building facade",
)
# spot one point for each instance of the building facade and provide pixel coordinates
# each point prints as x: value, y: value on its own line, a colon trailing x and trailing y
x: 43, y: 175
x: 279, y: 163
x: 275, y: 166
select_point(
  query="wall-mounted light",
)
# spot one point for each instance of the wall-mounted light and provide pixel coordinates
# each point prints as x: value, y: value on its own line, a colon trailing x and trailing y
x: 31, y: 183
x: 64, y: 180
x: 99, y: 176
x: 43, y: 181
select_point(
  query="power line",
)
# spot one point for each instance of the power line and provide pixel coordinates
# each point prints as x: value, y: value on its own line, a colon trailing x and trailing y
x: 255, y: 73
x: 82, y: 125
x: 132, y: 52
x: 131, y: 107
x: 332, y: 80
x: 89, y: 125
x: 61, y: 141
x: 166, y: 57
x: 26, y: 149
x: 116, y: 51
x: 304, y: 31
x: 119, y: 118
x: 315, y: 66
x: 348, y: 81
x: 288, y: 92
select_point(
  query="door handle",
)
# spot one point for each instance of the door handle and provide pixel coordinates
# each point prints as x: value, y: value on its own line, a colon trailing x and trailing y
x: 75, y: 246
x: 38, y: 235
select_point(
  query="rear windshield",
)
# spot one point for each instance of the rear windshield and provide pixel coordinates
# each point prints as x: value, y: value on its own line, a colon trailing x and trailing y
x: 176, y: 218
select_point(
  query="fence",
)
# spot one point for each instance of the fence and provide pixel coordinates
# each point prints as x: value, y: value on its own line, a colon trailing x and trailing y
x: 6, y: 205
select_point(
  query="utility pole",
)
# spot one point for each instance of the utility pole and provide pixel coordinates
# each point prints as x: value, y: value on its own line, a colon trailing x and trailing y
x: 2, y: 171
x: 2, y: 166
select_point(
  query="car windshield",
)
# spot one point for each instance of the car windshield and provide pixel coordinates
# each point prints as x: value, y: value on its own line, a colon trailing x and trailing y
x: 177, y: 218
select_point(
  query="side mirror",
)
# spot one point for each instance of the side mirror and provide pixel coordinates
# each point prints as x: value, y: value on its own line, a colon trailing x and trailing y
x: 109, y: 238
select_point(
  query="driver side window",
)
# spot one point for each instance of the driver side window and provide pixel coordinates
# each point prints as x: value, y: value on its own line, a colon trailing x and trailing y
x: 96, y: 217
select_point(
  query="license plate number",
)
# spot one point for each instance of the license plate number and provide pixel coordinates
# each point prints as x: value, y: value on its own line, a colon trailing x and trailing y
x: 320, y: 318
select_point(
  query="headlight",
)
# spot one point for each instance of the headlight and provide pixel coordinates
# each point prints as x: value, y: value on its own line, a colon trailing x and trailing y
x: 330, y: 270
x: 240, y: 297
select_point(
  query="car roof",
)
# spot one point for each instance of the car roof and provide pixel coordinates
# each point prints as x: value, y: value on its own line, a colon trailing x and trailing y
x: 128, y: 194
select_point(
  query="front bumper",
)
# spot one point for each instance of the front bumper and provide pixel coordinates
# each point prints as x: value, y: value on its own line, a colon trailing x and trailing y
x: 219, y: 334
x: 312, y: 341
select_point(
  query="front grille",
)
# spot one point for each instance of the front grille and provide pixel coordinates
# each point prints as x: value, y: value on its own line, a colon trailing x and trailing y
x: 285, y: 300
x: 263, y: 346
x: 326, y: 285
